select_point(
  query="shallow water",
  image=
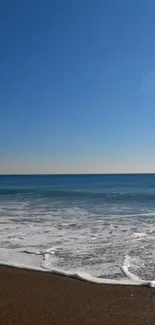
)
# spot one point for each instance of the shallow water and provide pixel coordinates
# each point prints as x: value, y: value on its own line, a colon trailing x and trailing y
x: 85, y: 223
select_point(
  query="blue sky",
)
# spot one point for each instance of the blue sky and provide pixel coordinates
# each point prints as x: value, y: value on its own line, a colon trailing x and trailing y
x: 77, y: 86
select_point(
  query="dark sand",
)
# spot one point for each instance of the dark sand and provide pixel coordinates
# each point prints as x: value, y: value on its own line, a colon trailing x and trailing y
x: 28, y: 297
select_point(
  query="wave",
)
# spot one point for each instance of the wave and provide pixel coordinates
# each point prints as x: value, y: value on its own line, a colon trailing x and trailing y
x: 133, y: 277
x: 130, y: 278
x: 138, y: 214
x: 82, y: 194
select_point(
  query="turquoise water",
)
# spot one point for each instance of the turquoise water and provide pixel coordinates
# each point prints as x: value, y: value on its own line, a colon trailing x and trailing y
x: 88, y: 222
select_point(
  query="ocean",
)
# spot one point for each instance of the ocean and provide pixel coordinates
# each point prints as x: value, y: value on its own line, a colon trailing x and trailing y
x: 99, y: 226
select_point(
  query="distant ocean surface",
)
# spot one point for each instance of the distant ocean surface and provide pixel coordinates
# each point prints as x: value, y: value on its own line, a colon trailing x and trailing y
x: 79, y: 223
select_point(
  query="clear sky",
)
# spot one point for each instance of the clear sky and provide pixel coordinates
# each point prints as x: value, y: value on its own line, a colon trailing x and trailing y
x: 77, y: 86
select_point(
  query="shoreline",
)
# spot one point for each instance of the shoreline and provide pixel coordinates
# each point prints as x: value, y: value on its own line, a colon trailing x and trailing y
x: 32, y: 297
x: 129, y: 280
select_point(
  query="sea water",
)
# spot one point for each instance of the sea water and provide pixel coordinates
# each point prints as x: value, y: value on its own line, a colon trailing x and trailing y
x: 92, y: 226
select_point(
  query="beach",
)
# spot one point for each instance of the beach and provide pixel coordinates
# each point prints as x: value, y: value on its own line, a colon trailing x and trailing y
x: 31, y: 297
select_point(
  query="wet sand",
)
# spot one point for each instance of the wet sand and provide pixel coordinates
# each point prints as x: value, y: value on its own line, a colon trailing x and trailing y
x: 29, y: 297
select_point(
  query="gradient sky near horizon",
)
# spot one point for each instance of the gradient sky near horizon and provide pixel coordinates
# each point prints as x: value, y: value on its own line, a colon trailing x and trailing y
x: 77, y: 86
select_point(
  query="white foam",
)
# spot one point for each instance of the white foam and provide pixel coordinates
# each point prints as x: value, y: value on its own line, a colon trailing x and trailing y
x: 76, y: 275
x: 134, y: 278
x: 140, y: 234
x: 53, y: 238
x: 32, y: 264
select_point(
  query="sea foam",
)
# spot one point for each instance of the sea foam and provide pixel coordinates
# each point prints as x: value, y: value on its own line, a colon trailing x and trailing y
x: 45, y: 266
x: 80, y: 226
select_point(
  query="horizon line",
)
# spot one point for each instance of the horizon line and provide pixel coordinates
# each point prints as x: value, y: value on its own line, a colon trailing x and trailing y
x: 78, y: 174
